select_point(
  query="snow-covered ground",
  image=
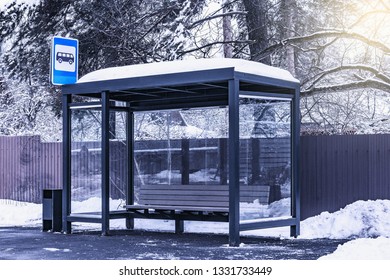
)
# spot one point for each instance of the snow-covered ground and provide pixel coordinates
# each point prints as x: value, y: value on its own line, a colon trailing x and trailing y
x: 366, y: 223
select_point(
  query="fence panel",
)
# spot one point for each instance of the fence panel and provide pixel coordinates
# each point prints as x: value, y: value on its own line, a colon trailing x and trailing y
x: 337, y: 170
x: 27, y: 166
x: 334, y: 170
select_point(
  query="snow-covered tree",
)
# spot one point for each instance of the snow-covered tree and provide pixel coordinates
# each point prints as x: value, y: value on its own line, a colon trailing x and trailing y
x: 339, y: 50
x: 333, y: 46
x: 27, y: 100
x: 349, y: 68
x: 25, y: 109
x: 111, y: 33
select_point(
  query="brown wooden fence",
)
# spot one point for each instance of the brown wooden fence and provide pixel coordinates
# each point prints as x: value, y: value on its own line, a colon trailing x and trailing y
x: 335, y: 170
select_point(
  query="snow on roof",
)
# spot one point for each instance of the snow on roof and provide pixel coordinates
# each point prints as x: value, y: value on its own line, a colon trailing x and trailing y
x: 182, y: 66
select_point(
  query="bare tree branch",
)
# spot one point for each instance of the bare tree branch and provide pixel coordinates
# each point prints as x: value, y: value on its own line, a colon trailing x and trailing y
x: 327, y: 34
x: 368, y: 84
x: 196, y: 23
x: 366, y: 15
x: 378, y: 74
x: 214, y: 43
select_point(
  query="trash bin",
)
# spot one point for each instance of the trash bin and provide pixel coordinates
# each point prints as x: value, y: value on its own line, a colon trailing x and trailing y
x: 52, y: 210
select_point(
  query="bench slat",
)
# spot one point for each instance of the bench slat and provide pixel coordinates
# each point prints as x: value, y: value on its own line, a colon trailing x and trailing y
x: 180, y: 197
x: 195, y: 197
x: 204, y: 192
x: 177, y: 208
x: 186, y: 193
x: 196, y: 203
x: 203, y: 187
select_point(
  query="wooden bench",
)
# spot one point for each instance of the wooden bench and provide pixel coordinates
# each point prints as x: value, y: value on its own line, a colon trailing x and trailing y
x: 192, y: 202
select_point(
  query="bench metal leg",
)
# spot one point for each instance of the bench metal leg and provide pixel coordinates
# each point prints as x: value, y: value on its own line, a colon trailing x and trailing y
x: 294, y: 231
x: 130, y: 223
x: 67, y: 227
x: 179, y: 226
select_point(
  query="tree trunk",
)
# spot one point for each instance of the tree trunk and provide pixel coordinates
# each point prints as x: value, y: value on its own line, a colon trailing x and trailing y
x: 257, y: 28
x: 227, y: 32
x: 288, y: 11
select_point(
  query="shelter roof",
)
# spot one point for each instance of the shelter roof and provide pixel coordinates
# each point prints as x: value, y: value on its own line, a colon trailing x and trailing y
x: 182, y: 84
x: 185, y: 66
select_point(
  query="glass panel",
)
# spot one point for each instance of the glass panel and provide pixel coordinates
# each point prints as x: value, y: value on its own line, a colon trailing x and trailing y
x: 86, y: 168
x: 179, y: 147
x: 157, y: 148
x: 118, y: 160
x: 209, y: 129
x: 265, y: 158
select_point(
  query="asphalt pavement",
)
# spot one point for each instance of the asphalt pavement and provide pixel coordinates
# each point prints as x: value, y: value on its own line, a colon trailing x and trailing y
x: 23, y: 243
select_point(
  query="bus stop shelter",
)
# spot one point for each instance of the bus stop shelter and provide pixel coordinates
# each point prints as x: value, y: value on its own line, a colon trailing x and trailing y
x: 144, y: 133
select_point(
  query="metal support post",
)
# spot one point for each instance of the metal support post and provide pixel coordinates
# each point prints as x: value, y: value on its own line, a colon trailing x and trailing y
x: 234, y: 163
x: 185, y: 161
x: 255, y: 161
x: 295, y: 137
x: 66, y: 164
x: 105, y: 162
x: 130, y: 166
x: 222, y: 143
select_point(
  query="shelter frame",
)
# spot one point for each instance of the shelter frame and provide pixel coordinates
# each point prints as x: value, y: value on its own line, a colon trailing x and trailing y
x: 191, y: 89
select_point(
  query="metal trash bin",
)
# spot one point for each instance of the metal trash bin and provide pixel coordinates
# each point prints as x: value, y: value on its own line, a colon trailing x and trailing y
x: 52, y: 210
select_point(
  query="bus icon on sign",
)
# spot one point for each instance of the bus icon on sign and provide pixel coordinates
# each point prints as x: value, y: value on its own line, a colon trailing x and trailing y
x: 65, y: 57
x: 64, y: 61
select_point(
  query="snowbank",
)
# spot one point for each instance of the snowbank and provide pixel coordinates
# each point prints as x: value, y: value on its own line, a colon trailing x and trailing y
x: 13, y: 213
x: 362, y: 249
x: 360, y: 219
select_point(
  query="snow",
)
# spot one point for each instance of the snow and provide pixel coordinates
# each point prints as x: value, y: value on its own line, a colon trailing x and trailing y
x: 13, y: 213
x: 360, y: 219
x: 153, y: 131
x: 362, y: 249
x: 5, y: 3
x: 366, y: 224
x: 182, y: 66
x: 56, y: 250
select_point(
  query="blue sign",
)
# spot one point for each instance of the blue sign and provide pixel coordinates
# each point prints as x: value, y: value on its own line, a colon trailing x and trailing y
x: 64, y: 61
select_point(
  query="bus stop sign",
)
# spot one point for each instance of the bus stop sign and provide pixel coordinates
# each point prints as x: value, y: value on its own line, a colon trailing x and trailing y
x: 64, y: 61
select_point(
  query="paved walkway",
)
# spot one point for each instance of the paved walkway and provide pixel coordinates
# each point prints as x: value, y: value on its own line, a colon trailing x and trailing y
x: 33, y: 244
